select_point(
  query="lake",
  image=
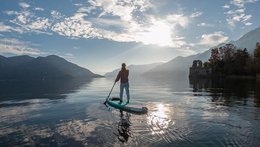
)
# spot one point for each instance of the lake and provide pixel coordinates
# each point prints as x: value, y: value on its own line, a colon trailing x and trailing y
x: 182, y: 112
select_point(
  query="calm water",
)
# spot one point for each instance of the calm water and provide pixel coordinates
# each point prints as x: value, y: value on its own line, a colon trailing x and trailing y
x: 182, y: 112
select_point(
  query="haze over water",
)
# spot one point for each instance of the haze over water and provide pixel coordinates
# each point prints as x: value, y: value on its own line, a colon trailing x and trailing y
x: 182, y: 112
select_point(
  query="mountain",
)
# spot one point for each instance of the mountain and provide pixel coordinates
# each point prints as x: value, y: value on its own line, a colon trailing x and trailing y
x: 249, y: 40
x: 180, y: 65
x: 50, y: 67
x: 177, y: 66
x: 19, y: 59
x: 134, y: 69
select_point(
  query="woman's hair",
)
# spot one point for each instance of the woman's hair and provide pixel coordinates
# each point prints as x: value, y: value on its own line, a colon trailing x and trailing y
x: 123, y: 66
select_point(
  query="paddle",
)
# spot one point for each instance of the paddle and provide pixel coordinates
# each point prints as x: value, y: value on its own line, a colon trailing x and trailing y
x: 110, y: 92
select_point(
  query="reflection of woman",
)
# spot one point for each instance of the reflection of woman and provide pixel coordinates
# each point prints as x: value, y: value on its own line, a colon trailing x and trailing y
x: 124, y: 127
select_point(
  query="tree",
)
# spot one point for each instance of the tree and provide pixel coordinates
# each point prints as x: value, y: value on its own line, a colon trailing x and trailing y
x: 214, y: 60
x: 226, y: 55
x: 229, y: 60
x: 241, y: 64
x: 227, y: 51
x: 214, y: 56
x: 206, y: 64
x: 257, y: 58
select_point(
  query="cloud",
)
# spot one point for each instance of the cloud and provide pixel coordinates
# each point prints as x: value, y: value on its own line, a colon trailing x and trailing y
x: 122, y: 9
x: 248, y: 24
x: 76, y: 48
x: 25, y: 21
x: 237, y: 14
x: 76, y: 27
x: 18, y: 47
x: 106, y: 22
x: 6, y: 28
x: 226, y: 6
x: 114, y: 8
x: 203, y: 24
x: 68, y: 55
x: 56, y: 15
x: 11, y: 12
x: 241, y: 3
x: 38, y: 9
x: 39, y: 24
x: 85, y: 9
x: 213, y: 39
x: 196, y: 14
x: 24, y: 5
x: 78, y: 4
x: 178, y: 19
x: 115, y: 20
x: 23, y: 18
x: 111, y: 6
x: 157, y: 31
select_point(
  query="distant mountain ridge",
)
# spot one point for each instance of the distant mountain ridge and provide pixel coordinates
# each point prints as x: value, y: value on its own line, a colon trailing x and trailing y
x: 134, y: 69
x: 249, y: 40
x: 50, y: 67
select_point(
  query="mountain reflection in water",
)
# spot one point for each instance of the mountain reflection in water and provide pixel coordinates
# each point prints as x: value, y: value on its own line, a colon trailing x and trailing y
x: 37, y: 89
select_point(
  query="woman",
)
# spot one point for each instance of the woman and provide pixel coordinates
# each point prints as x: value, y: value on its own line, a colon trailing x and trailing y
x: 123, y: 76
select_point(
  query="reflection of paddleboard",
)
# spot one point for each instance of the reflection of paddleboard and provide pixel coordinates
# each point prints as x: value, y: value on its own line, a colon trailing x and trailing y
x: 114, y: 102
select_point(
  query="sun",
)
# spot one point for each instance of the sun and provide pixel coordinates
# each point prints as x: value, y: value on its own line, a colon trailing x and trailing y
x: 159, y: 34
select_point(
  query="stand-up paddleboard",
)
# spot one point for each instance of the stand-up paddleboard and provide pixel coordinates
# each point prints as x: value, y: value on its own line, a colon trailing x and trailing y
x: 114, y: 102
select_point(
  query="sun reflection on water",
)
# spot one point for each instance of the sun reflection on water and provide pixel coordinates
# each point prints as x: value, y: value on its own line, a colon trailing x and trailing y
x: 159, y: 120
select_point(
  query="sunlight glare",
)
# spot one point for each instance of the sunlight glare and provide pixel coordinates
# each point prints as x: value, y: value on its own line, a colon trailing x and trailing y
x: 159, y: 120
x: 158, y: 34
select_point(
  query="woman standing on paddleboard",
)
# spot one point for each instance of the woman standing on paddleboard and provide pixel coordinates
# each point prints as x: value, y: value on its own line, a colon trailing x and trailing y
x: 123, y: 76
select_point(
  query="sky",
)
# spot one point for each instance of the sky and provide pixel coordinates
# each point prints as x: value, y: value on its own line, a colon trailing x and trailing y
x: 101, y: 34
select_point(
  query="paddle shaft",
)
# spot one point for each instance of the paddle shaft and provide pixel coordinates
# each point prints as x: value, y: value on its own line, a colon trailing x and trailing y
x: 111, y: 90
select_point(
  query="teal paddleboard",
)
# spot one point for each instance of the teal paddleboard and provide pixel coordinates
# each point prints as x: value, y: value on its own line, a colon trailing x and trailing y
x: 123, y: 106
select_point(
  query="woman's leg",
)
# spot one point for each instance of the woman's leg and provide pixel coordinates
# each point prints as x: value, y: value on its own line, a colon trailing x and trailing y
x: 121, y: 92
x: 127, y: 92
